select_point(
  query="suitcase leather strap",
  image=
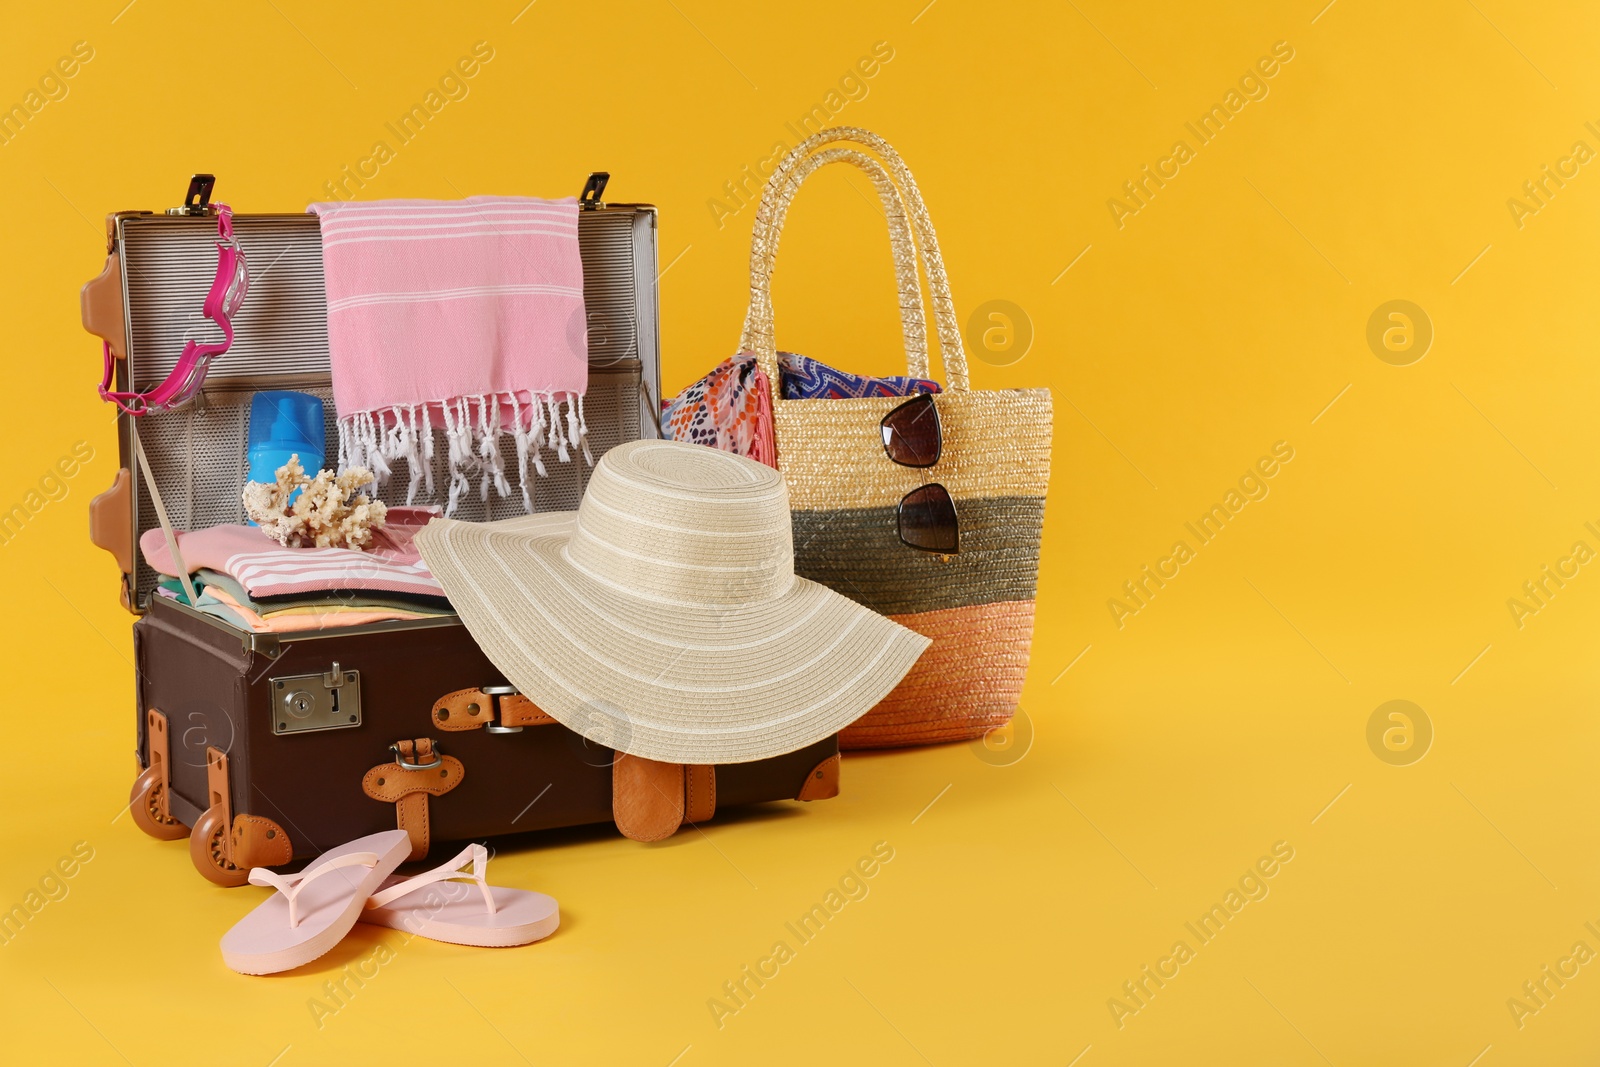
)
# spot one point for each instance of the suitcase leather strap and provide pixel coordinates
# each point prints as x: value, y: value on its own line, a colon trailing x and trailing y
x: 500, y: 708
x: 649, y: 800
x: 418, y: 771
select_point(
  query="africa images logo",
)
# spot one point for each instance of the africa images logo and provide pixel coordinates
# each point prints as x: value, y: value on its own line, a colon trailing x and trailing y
x: 1252, y: 86
x: 1252, y: 886
x: 853, y: 86
x: 1253, y: 485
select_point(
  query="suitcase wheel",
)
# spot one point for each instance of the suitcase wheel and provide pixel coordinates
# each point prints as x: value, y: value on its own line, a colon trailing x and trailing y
x: 206, y: 845
x: 145, y: 804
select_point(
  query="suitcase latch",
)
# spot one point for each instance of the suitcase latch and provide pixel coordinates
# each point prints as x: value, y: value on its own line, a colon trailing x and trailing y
x: 305, y: 703
x: 593, y: 190
x: 198, y: 200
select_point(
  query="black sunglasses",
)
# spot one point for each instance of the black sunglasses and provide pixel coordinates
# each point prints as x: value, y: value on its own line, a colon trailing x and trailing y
x: 912, y: 437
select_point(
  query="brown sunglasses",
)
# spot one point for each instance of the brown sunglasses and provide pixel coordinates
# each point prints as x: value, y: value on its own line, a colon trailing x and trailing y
x: 912, y: 437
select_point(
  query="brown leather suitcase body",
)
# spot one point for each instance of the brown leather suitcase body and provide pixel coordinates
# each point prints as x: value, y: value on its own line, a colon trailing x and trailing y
x: 276, y: 747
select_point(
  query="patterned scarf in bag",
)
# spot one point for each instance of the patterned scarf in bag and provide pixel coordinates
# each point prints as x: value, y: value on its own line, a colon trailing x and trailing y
x: 730, y: 408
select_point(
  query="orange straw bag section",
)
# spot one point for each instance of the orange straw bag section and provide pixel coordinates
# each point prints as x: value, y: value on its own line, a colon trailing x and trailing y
x: 976, y: 604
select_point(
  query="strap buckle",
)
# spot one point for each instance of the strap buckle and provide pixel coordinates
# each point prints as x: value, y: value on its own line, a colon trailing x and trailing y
x: 499, y: 691
x: 407, y: 765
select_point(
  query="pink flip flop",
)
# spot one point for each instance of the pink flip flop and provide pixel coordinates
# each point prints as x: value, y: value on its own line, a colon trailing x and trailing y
x: 314, y: 909
x: 435, y: 905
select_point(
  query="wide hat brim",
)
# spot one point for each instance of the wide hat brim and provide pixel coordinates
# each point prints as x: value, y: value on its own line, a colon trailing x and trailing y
x: 665, y: 681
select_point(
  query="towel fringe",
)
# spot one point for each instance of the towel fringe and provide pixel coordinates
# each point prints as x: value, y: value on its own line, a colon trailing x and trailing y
x: 374, y: 457
x: 580, y: 427
x: 524, y: 441
x: 558, y: 440
x: 413, y: 451
x: 473, y: 427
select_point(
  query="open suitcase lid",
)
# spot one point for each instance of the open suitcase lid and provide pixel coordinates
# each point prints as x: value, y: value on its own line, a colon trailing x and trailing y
x: 145, y: 303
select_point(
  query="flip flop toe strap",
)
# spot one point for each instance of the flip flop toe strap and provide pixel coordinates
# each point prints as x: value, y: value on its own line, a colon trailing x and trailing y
x: 290, y: 886
x: 448, y: 871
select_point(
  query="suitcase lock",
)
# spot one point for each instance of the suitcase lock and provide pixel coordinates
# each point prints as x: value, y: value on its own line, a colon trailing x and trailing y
x: 328, y: 700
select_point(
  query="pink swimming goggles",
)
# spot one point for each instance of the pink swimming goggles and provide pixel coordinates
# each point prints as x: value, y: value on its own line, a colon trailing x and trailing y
x: 222, y: 303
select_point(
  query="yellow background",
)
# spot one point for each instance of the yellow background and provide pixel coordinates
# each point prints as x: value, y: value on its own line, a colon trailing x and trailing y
x: 1225, y: 716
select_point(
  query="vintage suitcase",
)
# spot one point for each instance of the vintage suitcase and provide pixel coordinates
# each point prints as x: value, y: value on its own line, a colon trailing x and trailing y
x: 277, y: 747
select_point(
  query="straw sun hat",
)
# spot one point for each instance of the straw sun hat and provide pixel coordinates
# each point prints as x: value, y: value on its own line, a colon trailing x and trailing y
x: 663, y: 618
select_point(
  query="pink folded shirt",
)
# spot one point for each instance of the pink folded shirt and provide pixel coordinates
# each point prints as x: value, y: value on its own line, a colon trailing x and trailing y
x: 265, y: 568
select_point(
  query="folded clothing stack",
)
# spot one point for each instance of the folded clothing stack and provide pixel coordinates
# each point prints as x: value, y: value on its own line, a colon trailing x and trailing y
x: 225, y: 598
x: 254, y: 583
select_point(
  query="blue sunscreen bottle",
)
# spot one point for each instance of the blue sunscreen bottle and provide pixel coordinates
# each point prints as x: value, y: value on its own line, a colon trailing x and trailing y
x: 284, y: 423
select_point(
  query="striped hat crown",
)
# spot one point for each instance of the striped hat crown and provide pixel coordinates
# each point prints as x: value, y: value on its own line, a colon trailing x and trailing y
x: 698, y: 528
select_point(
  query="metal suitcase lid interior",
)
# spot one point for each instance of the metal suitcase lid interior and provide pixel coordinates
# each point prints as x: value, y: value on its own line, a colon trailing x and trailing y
x: 281, y: 331
x: 281, y: 342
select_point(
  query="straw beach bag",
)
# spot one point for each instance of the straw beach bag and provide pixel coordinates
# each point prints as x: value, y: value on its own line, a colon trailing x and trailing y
x: 852, y: 504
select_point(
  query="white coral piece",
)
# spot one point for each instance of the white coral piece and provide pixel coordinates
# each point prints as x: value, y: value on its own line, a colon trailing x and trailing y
x: 323, y: 514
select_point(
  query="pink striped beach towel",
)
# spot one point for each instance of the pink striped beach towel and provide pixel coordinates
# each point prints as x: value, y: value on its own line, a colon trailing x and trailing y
x: 464, y: 314
x: 265, y: 568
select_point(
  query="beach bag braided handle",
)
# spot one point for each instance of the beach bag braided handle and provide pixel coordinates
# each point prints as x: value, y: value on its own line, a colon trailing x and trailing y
x: 913, y: 322
x: 780, y: 190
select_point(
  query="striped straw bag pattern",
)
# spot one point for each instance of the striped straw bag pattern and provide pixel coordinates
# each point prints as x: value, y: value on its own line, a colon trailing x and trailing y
x: 977, y: 604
